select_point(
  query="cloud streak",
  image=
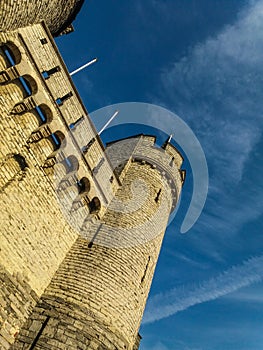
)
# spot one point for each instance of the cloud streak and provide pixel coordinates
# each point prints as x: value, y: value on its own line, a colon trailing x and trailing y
x: 217, y: 89
x: 178, y: 299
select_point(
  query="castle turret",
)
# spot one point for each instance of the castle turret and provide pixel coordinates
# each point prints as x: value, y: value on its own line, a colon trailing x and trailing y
x: 58, y: 14
x: 97, y: 297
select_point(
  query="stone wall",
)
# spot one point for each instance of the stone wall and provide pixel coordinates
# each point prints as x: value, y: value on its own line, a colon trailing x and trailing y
x: 35, y: 236
x: 58, y: 14
x: 80, y: 293
x: 97, y: 297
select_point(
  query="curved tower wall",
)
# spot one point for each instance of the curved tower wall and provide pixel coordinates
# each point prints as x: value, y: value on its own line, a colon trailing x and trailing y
x: 98, y: 295
x: 58, y: 14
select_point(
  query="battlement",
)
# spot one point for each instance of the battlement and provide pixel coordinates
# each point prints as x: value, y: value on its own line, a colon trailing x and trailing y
x: 142, y: 149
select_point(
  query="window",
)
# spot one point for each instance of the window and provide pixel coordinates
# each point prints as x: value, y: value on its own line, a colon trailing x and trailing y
x: 94, y: 205
x: 41, y: 115
x: 60, y: 100
x: 76, y: 123
x: 83, y: 185
x: 21, y: 161
x: 70, y: 163
x: 48, y: 73
x: 28, y: 85
x: 9, y: 56
x: 56, y: 139
x: 158, y: 195
x: 11, y: 53
x: 85, y: 148
x: 43, y: 41
x: 44, y: 114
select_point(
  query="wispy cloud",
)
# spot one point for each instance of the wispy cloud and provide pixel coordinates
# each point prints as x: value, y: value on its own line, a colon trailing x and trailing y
x: 254, y: 296
x: 178, y: 299
x: 160, y: 346
x: 217, y: 89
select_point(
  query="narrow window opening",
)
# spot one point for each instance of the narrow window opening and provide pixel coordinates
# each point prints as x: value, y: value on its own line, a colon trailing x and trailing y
x: 85, y: 148
x: 26, y: 86
x: 21, y: 161
x: 146, y: 268
x: 60, y: 100
x: 183, y: 173
x: 34, y: 343
x: 41, y: 115
x: 45, y: 75
x: 96, y: 169
x: 76, y: 123
x: 83, y: 185
x: 48, y: 73
x: 70, y: 163
x: 9, y: 56
x: 94, y: 237
x: 43, y: 41
x: 11, y: 53
x: 158, y: 195
x: 55, y: 139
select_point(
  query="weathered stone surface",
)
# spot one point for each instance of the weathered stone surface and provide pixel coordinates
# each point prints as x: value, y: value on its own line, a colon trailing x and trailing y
x: 58, y: 14
x: 59, y: 291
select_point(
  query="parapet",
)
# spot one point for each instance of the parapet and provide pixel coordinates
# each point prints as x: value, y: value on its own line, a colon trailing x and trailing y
x: 142, y: 148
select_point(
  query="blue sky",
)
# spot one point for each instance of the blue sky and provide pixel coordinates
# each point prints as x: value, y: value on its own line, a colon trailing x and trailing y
x: 202, y: 60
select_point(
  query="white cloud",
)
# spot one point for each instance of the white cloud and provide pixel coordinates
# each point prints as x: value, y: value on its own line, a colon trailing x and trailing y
x: 160, y: 346
x: 250, y: 297
x: 178, y: 299
x: 217, y: 88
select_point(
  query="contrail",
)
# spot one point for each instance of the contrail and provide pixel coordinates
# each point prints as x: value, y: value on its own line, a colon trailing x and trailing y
x: 178, y: 299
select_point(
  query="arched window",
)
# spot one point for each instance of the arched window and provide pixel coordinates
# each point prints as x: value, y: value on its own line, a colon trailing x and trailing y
x: 71, y: 164
x: 94, y: 205
x: 83, y: 185
x: 56, y: 139
x: 44, y: 114
x: 11, y: 54
x: 29, y: 85
x: 21, y: 161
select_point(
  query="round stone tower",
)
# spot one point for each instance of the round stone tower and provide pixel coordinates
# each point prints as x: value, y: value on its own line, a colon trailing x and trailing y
x: 97, y: 297
x: 58, y: 14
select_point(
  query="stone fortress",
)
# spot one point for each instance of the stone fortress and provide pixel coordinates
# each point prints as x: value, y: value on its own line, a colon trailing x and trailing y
x: 59, y: 289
